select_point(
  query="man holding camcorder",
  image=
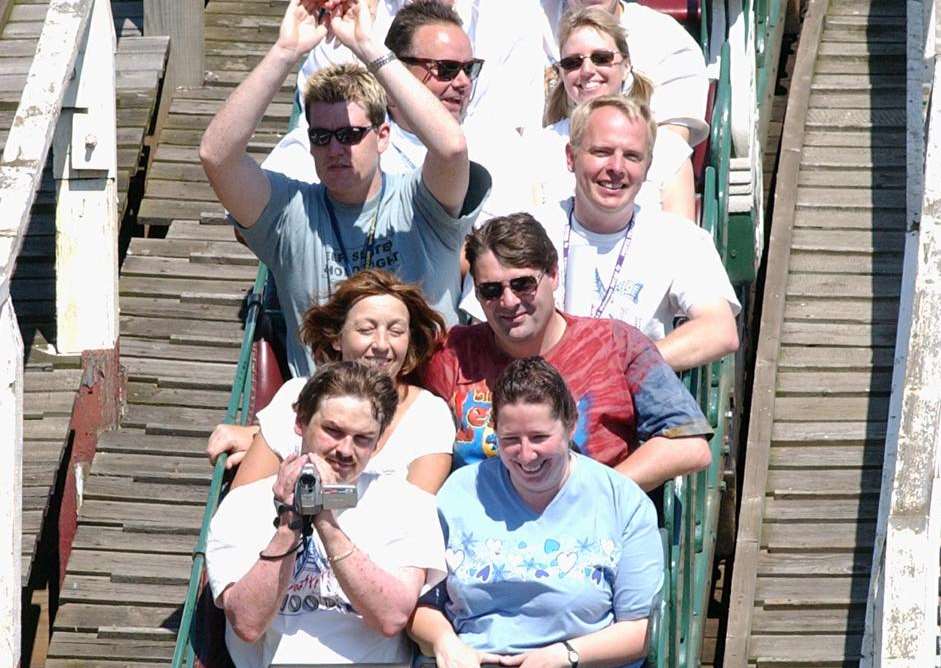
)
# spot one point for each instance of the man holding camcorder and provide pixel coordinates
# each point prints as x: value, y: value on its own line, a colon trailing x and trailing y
x: 323, y: 563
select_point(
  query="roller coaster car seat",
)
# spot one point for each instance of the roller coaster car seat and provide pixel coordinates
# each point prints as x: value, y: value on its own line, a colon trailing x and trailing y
x: 208, y: 634
x: 686, y: 12
x: 269, y: 352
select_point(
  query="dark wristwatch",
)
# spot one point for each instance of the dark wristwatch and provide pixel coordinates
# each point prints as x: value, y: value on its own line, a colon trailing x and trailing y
x: 572, y: 654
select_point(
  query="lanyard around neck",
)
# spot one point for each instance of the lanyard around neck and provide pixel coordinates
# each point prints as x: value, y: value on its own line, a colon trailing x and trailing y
x: 625, y: 244
x: 370, y: 234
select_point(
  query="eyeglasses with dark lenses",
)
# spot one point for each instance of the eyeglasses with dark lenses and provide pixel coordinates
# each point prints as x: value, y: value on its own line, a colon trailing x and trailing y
x: 348, y: 135
x: 598, y: 58
x: 522, y: 286
x: 447, y: 70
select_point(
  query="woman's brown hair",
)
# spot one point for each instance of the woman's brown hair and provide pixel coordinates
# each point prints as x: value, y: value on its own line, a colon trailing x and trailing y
x: 322, y: 325
x: 603, y: 22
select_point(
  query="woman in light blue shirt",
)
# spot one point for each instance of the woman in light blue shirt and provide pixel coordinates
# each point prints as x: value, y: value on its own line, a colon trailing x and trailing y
x: 553, y: 558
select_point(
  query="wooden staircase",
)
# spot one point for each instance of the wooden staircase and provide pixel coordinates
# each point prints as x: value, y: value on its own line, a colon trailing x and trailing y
x: 182, y: 290
x: 827, y: 343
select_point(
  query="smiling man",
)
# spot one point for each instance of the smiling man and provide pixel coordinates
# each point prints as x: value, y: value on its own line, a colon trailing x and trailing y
x: 618, y: 260
x: 344, y: 593
x: 634, y: 413
x: 312, y: 236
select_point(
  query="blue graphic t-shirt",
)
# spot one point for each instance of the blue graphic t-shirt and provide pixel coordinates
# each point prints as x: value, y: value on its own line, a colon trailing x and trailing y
x: 518, y: 580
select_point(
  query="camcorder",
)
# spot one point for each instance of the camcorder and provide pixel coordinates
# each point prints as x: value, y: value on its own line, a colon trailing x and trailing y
x: 311, y: 496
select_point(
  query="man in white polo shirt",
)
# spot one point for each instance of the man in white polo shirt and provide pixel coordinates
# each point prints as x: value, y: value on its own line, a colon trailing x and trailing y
x: 642, y: 266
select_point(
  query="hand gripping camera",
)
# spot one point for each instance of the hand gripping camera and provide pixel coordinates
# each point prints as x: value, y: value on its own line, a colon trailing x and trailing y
x: 311, y: 496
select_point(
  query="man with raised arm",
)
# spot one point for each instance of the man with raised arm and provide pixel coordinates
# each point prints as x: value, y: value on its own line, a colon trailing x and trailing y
x: 312, y: 236
x: 634, y: 414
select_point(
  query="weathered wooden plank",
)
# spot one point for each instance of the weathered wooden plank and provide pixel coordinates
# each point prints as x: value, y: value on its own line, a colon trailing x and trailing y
x: 815, y: 510
x: 855, y: 119
x: 46, y: 429
x: 177, y: 519
x: 865, y: 291
x: 172, y: 308
x: 189, y: 248
x: 137, y: 442
x: 827, y: 431
x: 119, y: 540
x: 195, y: 230
x: 801, y: 564
x: 807, y: 357
x: 158, y: 569
x: 821, y: 538
x: 812, y: 650
x: 834, y: 483
x: 838, y: 409
x: 108, y: 488
x: 811, y: 591
x: 87, y: 589
x: 164, y: 211
x: 843, y: 310
x: 155, y: 468
x: 88, y: 646
x: 149, y: 393
x: 862, y: 142
x: 863, y: 264
x: 810, y: 333
x: 824, y: 456
x: 78, y: 617
x: 167, y: 189
x: 830, y: 382
x: 817, y: 177
x: 216, y: 291
x: 178, y: 268
x: 154, y: 348
x: 51, y: 381
x: 188, y: 331
x: 809, y: 622
x: 851, y: 219
x: 848, y: 241
x: 850, y: 198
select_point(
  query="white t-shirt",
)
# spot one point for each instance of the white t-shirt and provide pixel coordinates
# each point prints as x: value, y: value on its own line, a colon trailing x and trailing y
x: 394, y: 523
x: 664, y: 52
x: 670, y: 266
x: 513, y: 58
x: 427, y: 428
x: 554, y: 182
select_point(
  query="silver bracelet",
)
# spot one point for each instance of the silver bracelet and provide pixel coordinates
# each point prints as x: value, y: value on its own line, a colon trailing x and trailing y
x: 374, y: 66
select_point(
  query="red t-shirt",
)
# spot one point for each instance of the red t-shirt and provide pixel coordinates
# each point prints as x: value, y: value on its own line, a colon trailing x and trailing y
x: 624, y: 390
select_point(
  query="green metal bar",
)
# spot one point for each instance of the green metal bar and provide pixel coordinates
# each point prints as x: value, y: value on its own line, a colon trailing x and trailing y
x: 236, y: 399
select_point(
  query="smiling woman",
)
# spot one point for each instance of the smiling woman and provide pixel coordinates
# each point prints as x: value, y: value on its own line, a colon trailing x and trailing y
x: 553, y: 558
x: 377, y: 319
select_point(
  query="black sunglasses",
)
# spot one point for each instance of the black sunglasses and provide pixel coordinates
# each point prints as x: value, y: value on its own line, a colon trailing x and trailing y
x: 522, y: 286
x: 598, y: 58
x: 348, y: 136
x: 447, y: 70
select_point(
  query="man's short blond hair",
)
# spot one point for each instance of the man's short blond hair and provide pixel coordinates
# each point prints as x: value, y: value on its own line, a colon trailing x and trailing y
x: 347, y: 83
x: 633, y: 110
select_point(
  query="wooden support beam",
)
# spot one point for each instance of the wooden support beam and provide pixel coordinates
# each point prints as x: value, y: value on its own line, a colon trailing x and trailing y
x: 85, y: 169
x: 11, y: 482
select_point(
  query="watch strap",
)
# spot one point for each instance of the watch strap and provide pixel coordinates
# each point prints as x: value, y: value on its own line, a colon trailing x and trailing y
x: 573, y: 654
x: 374, y: 66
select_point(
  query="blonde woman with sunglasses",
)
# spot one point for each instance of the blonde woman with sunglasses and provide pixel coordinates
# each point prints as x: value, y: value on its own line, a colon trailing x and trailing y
x: 595, y: 60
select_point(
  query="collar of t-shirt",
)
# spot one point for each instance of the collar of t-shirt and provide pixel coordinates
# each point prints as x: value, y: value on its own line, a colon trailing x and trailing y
x: 602, y: 243
x: 350, y: 213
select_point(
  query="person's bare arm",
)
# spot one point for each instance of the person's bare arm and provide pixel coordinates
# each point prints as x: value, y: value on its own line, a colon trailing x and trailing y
x: 433, y: 634
x: 429, y: 471
x: 446, y: 170
x: 259, y: 462
x: 385, y: 600
x: 660, y: 459
x: 614, y: 645
x: 710, y: 333
x: 236, y: 178
x: 678, y: 195
x: 233, y: 439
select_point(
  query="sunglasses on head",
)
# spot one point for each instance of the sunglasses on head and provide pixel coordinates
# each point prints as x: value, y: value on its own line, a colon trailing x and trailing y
x: 522, y: 286
x: 447, y: 70
x: 348, y: 135
x: 598, y: 58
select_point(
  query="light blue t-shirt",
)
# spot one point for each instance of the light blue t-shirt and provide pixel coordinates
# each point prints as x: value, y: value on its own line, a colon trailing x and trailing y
x: 414, y: 237
x: 518, y: 580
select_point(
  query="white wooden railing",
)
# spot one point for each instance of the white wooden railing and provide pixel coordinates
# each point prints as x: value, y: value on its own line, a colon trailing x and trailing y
x: 68, y: 104
x: 902, y: 610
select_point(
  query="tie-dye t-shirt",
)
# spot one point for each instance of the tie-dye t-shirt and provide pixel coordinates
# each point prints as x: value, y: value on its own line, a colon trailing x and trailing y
x: 519, y: 580
x: 626, y: 393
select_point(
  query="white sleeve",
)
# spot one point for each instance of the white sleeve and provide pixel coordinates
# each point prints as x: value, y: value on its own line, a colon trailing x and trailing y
x: 701, y: 278
x: 437, y: 426
x: 420, y: 544
x: 240, y: 529
x: 291, y: 157
x: 669, y: 154
x: 277, y: 419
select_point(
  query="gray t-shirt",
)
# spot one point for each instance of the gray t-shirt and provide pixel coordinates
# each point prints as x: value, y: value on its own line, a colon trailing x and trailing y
x: 415, y: 238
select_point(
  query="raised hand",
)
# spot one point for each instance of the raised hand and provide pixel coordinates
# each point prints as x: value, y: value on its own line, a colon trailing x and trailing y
x: 351, y: 23
x: 302, y: 27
